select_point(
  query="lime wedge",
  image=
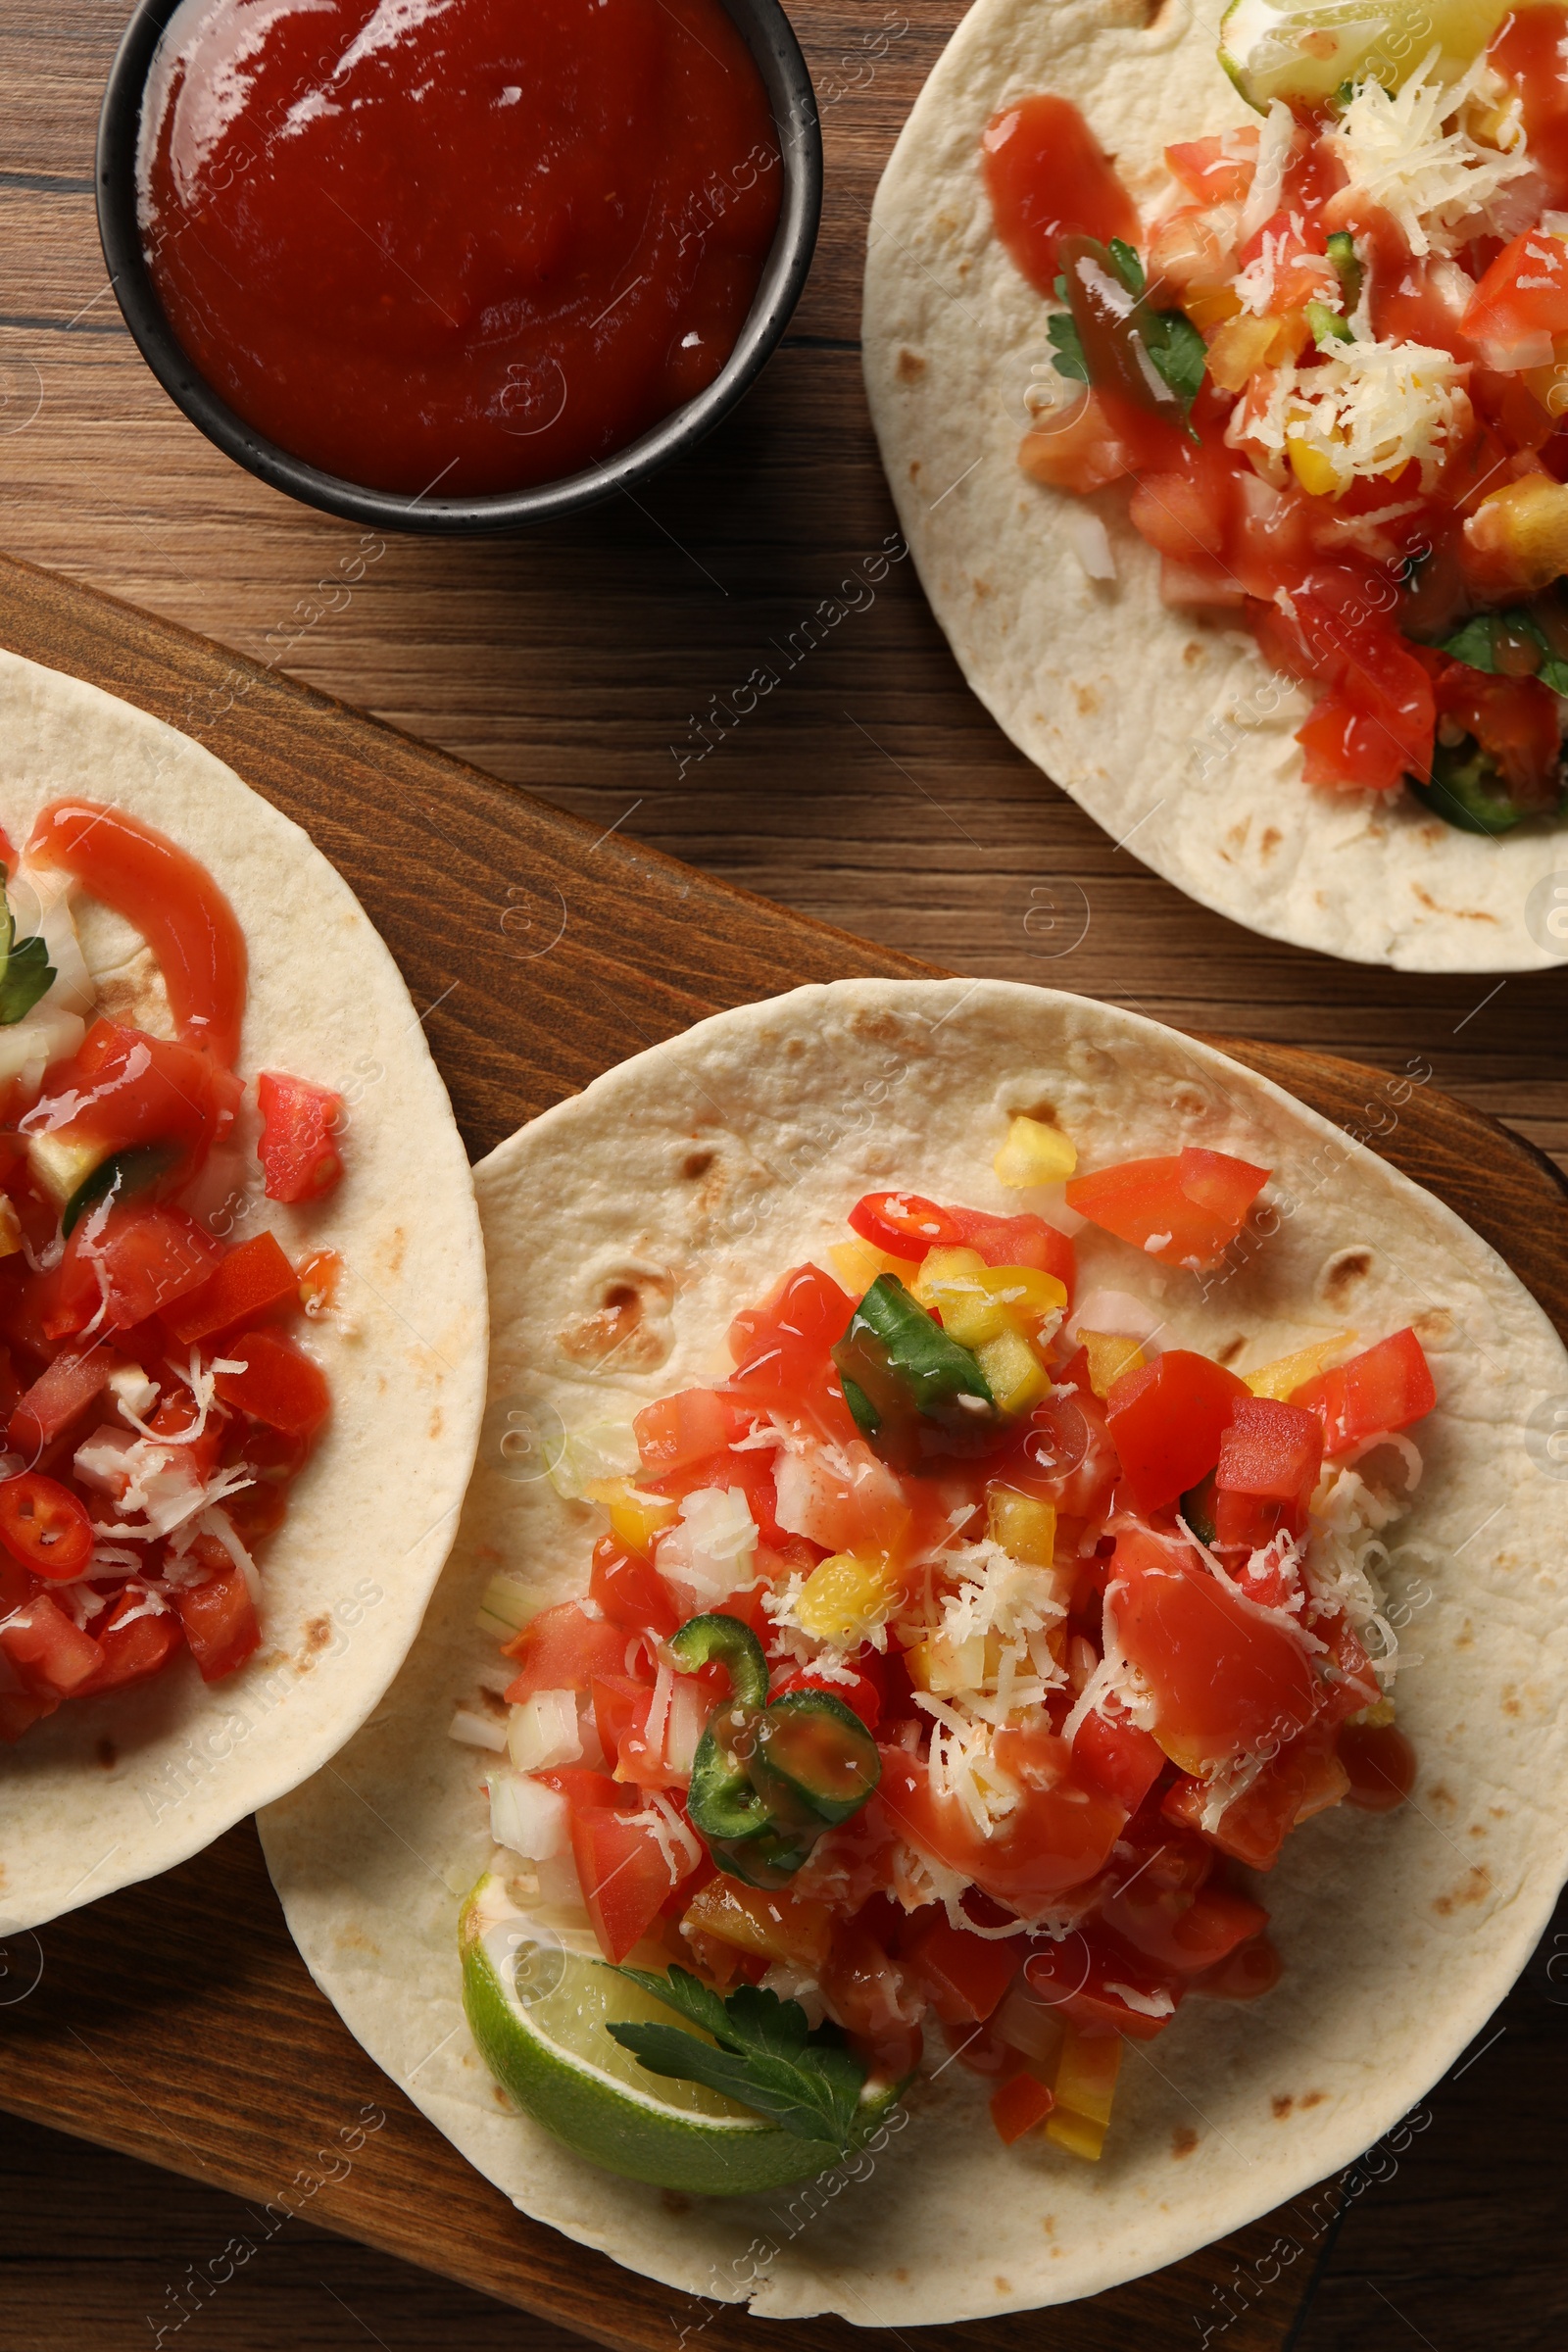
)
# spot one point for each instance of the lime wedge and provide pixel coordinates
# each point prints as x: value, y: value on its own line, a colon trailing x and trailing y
x: 1274, y: 49
x: 538, y: 2011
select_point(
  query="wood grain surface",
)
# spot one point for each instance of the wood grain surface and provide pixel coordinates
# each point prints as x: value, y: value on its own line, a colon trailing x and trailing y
x: 592, y: 664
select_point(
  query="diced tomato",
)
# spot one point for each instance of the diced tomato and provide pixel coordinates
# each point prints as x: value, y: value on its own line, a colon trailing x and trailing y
x: 1515, y: 719
x: 563, y: 1649
x: 1521, y: 305
x: 679, y: 1431
x: 132, y: 1651
x: 1352, y: 1681
x: 1083, y: 449
x: 277, y: 1383
x: 1018, y: 2105
x: 965, y: 1976
x: 171, y: 899
x: 1226, y: 1679
x: 50, y: 1655
x: 1269, y: 1459
x: 1185, y: 1210
x: 1218, y: 169
x: 75, y: 1380
x: 44, y: 1527
x: 867, y: 1991
x: 781, y: 1344
x: 587, y: 1790
x: 1178, y: 1930
x: 1057, y: 1838
x: 1086, y: 1978
x: 1384, y: 1388
x: 1109, y: 1752
x: 624, y: 1874
x: 218, y: 1618
x: 300, y: 1161
x: 12, y: 1389
x: 253, y: 1278
x: 1300, y: 1781
x: 131, y: 1264
x: 1244, y: 1975
x: 1022, y: 1240
x: 124, y: 1087
x: 1376, y: 720
x: 621, y: 1717
x: 1380, y: 1763
x: 905, y: 1224
x: 629, y: 1590
x: 858, y: 1693
x: 1166, y: 1421
x: 1063, y: 1453
x: 1298, y: 251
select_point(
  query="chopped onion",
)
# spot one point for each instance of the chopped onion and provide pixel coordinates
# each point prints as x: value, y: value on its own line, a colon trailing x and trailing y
x: 477, y: 1730
x: 527, y: 1817
x: 543, y: 1731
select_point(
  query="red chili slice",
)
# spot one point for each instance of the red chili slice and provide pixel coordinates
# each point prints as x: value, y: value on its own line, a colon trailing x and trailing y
x: 905, y: 1224
x: 44, y: 1527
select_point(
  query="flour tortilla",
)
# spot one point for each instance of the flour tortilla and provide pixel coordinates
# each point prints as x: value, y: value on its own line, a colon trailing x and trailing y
x: 1165, y: 726
x: 693, y: 1176
x: 114, y: 1790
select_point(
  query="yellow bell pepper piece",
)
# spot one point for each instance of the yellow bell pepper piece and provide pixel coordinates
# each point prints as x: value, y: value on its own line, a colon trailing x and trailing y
x: 978, y: 1303
x: 1014, y: 1374
x: 1112, y: 1353
x: 1212, y: 306
x: 1034, y: 1153
x: 10, y: 1227
x: 776, y: 1926
x: 1025, y: 1528
x: 636, y: 1517
x: 1316, y: 472
x: 845, y: 1597
x: 858, y: 1266
x: 942, y: 1666
x: 1287, y: 1373
x: 1085, y: 2087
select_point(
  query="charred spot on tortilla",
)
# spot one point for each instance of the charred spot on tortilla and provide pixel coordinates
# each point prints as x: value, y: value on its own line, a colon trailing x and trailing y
x: 1270, y: 842
x: 318, y: 1632
x: 630, y: 1322
x: 1433, y: 1326
x: 1183, y: 2140
x: 1341, y: 1273
x: 910, y: 365
x: 1282, y: 2102
x: 695, y: 1165
x: 1231, y: 1350
x: 1474, y: 1887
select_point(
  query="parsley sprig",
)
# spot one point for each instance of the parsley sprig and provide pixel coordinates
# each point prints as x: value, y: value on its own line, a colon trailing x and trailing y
x: 767, y: 2056
x: 1494, y: 642
x: 1176, y: 350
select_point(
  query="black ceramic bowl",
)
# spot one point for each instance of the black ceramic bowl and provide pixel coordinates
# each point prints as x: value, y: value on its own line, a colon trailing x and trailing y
x: 767, y: 31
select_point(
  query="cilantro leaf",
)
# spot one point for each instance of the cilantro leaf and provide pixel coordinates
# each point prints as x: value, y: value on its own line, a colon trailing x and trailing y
x: 768, y: 2058
x: 25, y: 972
x: 1069, y: 361
x: 1128, y: 267
x: 1475, y: 644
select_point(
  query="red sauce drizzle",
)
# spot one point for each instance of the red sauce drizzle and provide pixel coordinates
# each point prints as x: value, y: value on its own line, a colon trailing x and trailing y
x: 1528, y: 52
x: 1048, y: 179
x: 172, y: 901
x: 481, y: 249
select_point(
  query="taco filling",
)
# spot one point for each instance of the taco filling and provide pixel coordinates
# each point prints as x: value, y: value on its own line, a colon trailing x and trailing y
x: 1330, y: 364
x: 956, y: 1667
x: 155, y: 1405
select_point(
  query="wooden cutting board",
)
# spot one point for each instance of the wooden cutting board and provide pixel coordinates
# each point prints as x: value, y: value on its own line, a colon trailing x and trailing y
x: 175, y: 2020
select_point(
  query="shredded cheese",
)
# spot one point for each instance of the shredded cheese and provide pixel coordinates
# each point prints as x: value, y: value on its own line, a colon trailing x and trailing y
x: 1367, y: 409
x: 1411, y: 151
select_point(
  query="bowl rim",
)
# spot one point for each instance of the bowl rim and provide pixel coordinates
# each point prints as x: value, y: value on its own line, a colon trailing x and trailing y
x: 776, y: 53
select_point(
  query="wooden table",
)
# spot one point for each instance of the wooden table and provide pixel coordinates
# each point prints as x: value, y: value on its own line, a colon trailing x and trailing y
x: 870, y: 790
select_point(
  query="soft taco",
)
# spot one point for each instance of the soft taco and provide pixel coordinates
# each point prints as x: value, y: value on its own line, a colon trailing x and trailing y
x: 1216, y: 373
x: 242, y: 1305
x: 964, y: 1465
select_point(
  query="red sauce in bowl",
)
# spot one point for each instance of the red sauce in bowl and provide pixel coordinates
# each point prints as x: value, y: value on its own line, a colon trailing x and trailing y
x: 455, y: 246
